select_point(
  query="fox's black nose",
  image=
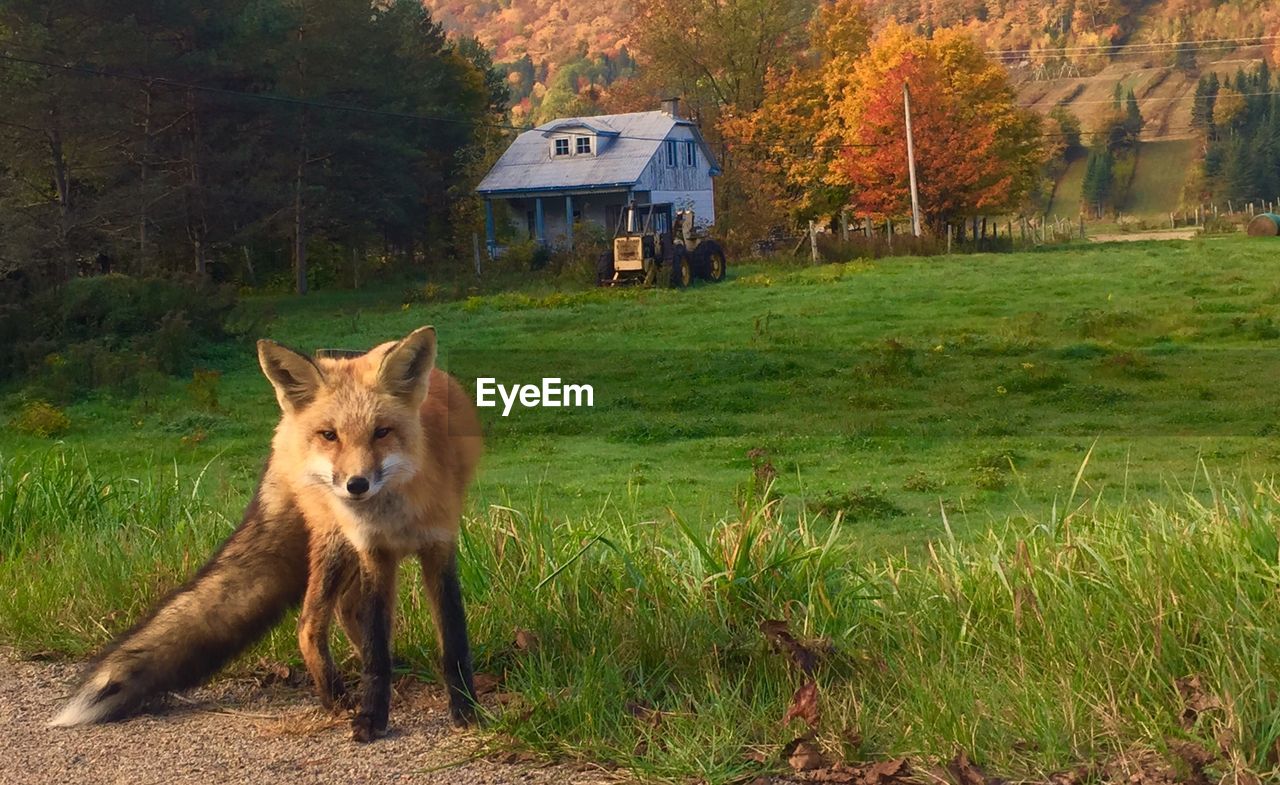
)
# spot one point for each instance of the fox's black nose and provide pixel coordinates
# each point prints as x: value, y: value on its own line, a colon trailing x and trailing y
x: 357, y: 485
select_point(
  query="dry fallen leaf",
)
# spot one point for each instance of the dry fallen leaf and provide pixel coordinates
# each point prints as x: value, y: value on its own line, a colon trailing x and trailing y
x: 1077, y: 776
x: 526, y: 640
x: 807, y: 756
x: 804, y: 706
x: 645, y: 713
x: 778, y: 633
x: 486, y: 683
x: 966, y: 772
x: 886, y: 771
x: 1195, y: 700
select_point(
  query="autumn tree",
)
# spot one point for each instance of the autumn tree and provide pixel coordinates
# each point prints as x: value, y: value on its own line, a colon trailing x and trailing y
x: 977, y: 151
x: 786, y: 149
x: 716, y: 55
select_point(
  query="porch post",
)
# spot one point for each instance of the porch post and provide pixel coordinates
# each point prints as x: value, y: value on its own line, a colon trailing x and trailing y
x: 539, y: 229
x: 490, y: 235
x: 568, y: 218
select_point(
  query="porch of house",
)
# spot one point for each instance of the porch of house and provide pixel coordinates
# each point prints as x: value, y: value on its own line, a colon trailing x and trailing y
x: 548, y: 217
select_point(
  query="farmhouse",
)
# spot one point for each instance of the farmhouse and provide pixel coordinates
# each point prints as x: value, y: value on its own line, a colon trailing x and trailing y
x: 588, y: 168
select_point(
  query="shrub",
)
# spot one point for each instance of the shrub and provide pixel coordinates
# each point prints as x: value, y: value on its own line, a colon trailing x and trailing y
x: 110, y: 331
x: 40, y: 418
x: 855, y: 504
x: 203, y: 389
x: 172, y: 342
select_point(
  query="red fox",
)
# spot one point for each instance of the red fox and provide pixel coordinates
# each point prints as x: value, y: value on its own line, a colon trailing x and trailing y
x: 370, y: 464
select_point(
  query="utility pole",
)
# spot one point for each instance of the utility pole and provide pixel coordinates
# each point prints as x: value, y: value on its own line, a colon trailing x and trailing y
x: 911, y: 163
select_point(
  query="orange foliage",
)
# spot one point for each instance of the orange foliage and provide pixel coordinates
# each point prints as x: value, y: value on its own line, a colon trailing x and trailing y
x: 782, y: 154
x: 977, y: 151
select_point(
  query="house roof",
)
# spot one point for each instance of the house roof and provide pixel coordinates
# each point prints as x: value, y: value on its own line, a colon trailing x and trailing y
x: 630, y: 141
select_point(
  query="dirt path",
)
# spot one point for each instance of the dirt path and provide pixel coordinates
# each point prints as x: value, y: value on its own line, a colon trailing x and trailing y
x: 1162, y: 234
x: 237, y: 731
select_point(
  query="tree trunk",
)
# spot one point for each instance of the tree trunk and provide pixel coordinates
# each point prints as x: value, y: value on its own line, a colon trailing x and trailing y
x: 248, y: 265
x: 144, y: 176
x: 299, y: 239
x: 197, y: 224
x: 62, y: 182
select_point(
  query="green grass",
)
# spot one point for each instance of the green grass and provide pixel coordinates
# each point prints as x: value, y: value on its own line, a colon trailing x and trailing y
x: 1035, y: 647
x: 1068, y: 193
x: 1159, y: 177
x: 926, y: 422
x: 1158, y: 170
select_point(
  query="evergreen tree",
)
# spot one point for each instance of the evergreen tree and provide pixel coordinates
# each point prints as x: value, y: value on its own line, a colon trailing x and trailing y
x: 1241, y: 174
x: 1133, y: 116
x: 1201, y: 110
x: 1099, y: 176
x: 180, y: 163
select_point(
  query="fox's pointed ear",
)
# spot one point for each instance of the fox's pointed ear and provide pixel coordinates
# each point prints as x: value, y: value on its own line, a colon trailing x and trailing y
x: 406, y: 368
x: 296, y: 378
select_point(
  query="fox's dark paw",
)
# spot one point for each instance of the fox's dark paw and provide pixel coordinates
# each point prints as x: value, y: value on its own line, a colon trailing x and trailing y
x: 337, y: 700
x: 462, y: 713
x: 364, y: 729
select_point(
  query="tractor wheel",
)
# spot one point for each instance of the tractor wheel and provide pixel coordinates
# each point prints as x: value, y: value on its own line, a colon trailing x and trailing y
x: 681, y: 269
x: 604, y: 268
x: 712, y: 265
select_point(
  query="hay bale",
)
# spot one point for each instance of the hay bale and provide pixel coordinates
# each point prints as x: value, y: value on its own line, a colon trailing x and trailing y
x: 1264, y: 225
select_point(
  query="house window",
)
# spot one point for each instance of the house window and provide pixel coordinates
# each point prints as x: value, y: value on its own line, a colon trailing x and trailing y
x: 584, y: 145
x: 671, y: 152
x: 562, y: 147
x: 690, y: 153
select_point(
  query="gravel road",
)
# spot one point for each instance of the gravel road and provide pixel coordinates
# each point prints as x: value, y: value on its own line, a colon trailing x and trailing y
x: 239, y: 731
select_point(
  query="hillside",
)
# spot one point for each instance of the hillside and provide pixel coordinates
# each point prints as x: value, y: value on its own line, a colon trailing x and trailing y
x: 563, y: 57
x: 549, y: 31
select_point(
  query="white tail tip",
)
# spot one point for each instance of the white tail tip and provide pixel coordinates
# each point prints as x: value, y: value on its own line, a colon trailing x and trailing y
x: 89, y: 705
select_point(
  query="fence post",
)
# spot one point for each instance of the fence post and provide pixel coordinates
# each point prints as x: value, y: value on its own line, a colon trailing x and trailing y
x: 949, y: 230
x: 844, y: 226
x: 813, y: 241
x: 1082, y: 227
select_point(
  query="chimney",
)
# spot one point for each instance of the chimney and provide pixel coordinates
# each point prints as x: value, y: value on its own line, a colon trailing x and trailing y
x: 671, y: 106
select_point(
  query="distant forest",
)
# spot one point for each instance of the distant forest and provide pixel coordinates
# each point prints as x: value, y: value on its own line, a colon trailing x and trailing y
x: 272, y: 142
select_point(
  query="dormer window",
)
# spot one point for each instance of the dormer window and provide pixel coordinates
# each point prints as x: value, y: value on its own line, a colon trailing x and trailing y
x: 562, y: 147
x: 583, y: 145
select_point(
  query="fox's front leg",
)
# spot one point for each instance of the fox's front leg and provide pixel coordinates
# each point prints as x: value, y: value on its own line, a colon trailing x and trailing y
x: 377, y: 588
x: 440, y: 574
x: 332, y: 563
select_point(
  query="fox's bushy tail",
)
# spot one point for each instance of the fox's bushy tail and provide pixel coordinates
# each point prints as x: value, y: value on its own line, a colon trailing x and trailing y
x: 257, y: 574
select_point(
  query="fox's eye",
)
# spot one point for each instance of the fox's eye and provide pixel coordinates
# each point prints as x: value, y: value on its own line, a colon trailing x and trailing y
x: 381, y: 432
x: 330, y: 436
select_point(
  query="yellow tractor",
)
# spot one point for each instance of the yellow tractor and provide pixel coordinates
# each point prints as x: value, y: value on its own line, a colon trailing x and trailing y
x: 654, y: 245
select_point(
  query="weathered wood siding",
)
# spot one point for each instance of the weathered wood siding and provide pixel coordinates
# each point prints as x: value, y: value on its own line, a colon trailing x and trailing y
x: 683, y: 185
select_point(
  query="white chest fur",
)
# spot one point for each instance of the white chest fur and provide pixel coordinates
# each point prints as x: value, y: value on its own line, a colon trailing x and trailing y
x: 387, y: 523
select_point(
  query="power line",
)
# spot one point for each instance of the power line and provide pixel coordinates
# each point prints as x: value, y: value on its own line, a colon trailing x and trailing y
x: 1170, y: 100
x: 294, y: 101
x: 267, y: 97
x: 1141, y: 46
x: 330, y: 106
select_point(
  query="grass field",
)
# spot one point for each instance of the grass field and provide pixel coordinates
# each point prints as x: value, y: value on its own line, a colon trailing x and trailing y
x: 1159, y: 171
x: 1068, y: 193
x: 1159, y: 176
x: 987, y: 472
